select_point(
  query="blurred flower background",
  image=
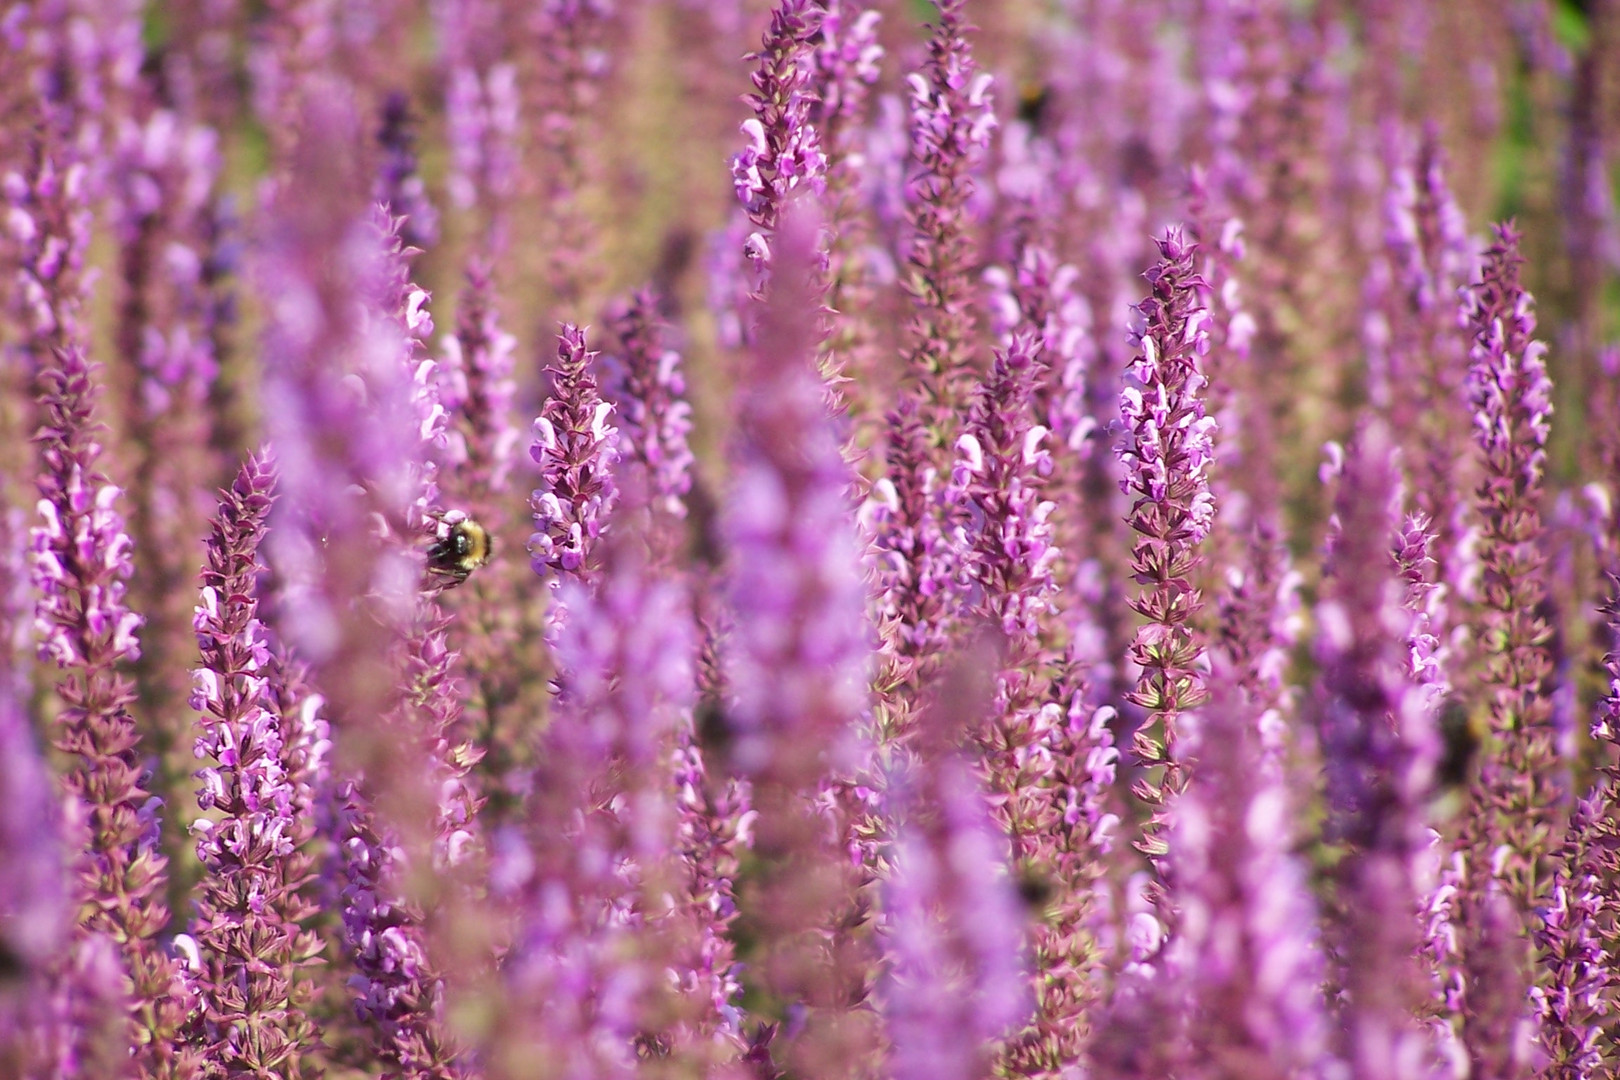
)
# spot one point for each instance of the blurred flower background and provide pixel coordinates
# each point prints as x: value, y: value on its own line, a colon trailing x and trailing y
x: 844, y: 538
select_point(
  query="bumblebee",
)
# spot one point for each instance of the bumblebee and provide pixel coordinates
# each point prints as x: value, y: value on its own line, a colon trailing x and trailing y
x: 462, y: 546
x: 1034, y: 104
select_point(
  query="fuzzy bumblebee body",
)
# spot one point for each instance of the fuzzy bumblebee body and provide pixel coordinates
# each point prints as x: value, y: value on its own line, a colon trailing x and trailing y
x: 462, y: 546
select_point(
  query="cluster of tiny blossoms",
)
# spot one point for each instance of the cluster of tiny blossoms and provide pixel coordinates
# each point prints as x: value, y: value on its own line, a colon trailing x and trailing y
x: 1055, y: 540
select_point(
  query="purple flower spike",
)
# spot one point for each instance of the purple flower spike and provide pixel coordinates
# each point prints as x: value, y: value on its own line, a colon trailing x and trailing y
x: 846, y: 62
x: 1246, y: 949
x: 351, y: 407
x: 1379, y: 745
x: 93, y: 1002
x: 1032, y: 754
x: 431, y: 708
x: 577, y: 449
x: 846, y: 59
x: 47, y: 222
x: 571, y: 39
x: 1425, y: 597
x: 399, y: 185
x: 34, y: 910
x: 163, y: 184
x: 797, y: 667
x: 919, y: 565
x: 341, y: 402
x: 81, y: 567
x: 1044, y: 297
x: 1069, y: 855
x: 1417, y: 362
x: 1522, y: 787
x: 397, y: 991
x: 783, y: 151
x: 1000, y: 465
x: 713, y: 823
x: 482, y: 111
x: 247, y: 920
x: 648, y: 391
x: 1576, y: 994
x: 1578, y: 930
x: 479, y: 361
x: 956, y: 978
x: 951, y: 122
x: 1166, y: 449
x: 588, y: 980
x: 404, y: 305
x: 1498, y: 1028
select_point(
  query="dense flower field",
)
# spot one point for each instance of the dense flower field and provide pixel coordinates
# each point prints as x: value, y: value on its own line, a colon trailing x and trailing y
x: 836, y: 539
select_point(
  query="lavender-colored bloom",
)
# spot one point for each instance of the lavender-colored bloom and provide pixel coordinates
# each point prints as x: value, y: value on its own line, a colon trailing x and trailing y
x: 1041, y: 295
x: 951, y: 122
x: 290, y: 70
x: 713, y: 829
x: 793, y: 546
x: 338, y: 402
x: 92, y: 1001
x: 390, y: 906
x: 306, y: 736
x: 349, y: 403
x: 403, y: 304
x: 1166, y: 448
x: 644, y: 382
x: 1000, y: 463
x: 1522, y: 790
x: 481, y: 114
x: 1070, y: 856
x: 164, y: 190
x: 1578, y: 926
x: 431, y: 709
x: 798, y: 665
x: 571, y: 38
x: 81, y: 554
x: 246, y: 924
x: 399, y: 186
x: 1379, y: 745
x: 585, y: 979
x: 1425, y: 598
x: 783, y: 151
x: 1246, y: 949
x: 955, y: 979
x: 1575, y: 991
x: 1498, y: 1028
x: 397, y: 989
x: 577, y: 449
x: 1436, y: 872
x: 846, y: 59
x: 1418, y: 363
x: 1441, y: 878
x: 477, y: 393
x: 713, y: 824
x: 919, y: 565
x: 1257, y: 630
x: 1007, y: 538
x: 847, y: 55
x: 48, y: 228
x: 34, y: 912
x: 163, y: 186
x: 783, y: 154
x: 81, y: 567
